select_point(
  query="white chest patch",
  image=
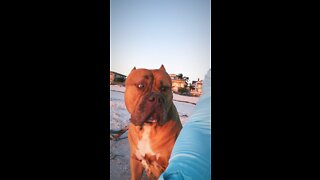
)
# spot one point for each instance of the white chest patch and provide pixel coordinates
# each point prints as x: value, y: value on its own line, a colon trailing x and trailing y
x: 144, y: 147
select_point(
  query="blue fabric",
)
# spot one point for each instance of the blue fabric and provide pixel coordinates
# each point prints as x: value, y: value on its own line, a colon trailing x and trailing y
x: 191, y: 155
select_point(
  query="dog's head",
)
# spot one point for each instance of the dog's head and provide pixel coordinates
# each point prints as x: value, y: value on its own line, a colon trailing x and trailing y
x: 148, y: 96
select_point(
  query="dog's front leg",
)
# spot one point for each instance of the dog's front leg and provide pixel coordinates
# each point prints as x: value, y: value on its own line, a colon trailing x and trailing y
x: 136, y: 168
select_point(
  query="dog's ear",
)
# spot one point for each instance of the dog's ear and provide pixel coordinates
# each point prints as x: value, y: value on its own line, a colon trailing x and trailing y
x: 133, y: 69
x: 162, y: 68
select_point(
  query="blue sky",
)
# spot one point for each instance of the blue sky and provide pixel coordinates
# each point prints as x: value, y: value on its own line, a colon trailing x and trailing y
x: 148, y: 33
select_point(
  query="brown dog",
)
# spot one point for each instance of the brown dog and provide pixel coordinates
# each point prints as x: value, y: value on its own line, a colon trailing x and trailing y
x: 154, y: 123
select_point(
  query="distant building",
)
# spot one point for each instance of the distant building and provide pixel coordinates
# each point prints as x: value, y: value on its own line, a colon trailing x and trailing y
x: 196, y: 88
x: 117, y: 77
x: 173, y: 76
x: 177, y: 83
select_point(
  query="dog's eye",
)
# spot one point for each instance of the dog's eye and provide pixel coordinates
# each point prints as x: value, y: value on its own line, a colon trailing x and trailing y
x: 140, y: 86
x: 163, y: 89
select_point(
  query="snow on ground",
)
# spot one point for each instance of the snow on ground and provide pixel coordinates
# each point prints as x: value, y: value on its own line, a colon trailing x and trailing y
x: 117, y: 88
x: 120, y: 117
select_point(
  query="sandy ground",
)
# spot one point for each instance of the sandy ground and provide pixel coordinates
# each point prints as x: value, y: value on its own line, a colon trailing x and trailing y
x: 119, y: 159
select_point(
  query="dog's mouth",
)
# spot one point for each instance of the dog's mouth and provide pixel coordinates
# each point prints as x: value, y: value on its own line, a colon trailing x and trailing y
x: 152, y: 118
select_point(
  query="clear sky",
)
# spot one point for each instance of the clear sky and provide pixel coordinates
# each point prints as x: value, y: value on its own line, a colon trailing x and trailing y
x: 148, y: 33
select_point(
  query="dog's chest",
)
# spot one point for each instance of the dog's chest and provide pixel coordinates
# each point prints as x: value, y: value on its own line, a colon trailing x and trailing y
x: 144, y: 151
x: 144, y: 144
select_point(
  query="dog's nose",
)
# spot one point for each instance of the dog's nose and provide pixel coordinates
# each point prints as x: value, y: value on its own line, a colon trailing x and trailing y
x: 151, y: 98
x: 156, y: 98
